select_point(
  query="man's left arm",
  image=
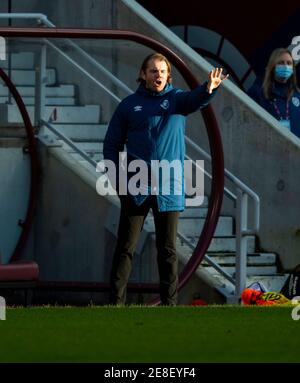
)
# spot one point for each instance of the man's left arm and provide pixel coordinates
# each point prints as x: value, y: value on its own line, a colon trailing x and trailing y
x: 189, y: 102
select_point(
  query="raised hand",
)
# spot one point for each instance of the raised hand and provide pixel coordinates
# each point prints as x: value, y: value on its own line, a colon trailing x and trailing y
x: 215, y: 78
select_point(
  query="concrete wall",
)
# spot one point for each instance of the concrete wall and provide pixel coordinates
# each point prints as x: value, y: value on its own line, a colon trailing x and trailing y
x: 14, y: 191
x: 71, y: 240
x: 65, y: 13
x: 75, y: 227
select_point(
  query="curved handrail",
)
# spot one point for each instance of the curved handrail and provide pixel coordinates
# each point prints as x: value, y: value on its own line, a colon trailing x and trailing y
x: 214, y: 136
x: 26, y: 224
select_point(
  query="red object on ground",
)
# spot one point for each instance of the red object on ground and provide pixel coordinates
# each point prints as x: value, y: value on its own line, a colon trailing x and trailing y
x: 250, y: 296
x: 198, y: 302
x: 255, y: 297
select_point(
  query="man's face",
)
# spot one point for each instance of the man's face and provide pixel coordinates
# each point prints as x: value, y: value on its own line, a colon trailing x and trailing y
x: 156, y: 75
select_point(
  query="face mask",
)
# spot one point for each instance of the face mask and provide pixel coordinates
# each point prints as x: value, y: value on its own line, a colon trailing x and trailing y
x: 283, y: 72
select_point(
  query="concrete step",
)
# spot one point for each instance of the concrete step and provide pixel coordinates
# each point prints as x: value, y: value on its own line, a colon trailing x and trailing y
x: 228, y: 259
x: 266, y: 275
x: 20, y: 60
x: 196, y: 212
x: 88, y: 147
x: 51, y: 91
x: 27, y: 76
x: 228, y: 244
x: 251, y: 270
x: 75, y: 114
x: 94, y: 156
x: 83, y: 132
x: 193, y: 227
x: 257, y: 259
x: 271, y: 282
x: 49, y: 100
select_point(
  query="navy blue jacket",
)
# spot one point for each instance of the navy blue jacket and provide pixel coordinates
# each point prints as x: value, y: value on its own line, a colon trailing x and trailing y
x: 279, y: 94
x: 152, y: 125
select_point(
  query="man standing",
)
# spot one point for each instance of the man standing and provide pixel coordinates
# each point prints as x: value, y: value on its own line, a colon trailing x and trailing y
x: 151, y: 122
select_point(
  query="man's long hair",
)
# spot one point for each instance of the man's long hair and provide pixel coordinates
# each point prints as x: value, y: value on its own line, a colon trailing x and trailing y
x: 270, y: 77
x: 154, y: 56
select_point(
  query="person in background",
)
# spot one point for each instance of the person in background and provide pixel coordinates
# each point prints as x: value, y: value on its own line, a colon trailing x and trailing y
x: 279, y: 93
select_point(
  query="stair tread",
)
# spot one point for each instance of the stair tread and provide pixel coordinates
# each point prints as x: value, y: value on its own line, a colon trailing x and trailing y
x: 59, y: 90
x: 50, y: 101
x: 84, y: 113
x: 28, y: 78
x: 251, y: 270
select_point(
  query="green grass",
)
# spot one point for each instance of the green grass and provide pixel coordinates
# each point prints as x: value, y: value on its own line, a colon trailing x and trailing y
x: 150, y: 334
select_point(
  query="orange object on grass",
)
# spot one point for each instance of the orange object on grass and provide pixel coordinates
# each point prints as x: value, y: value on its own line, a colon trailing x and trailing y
x: 255, y: 297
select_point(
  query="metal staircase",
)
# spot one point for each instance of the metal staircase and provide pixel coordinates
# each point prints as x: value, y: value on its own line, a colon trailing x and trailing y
x: 261, y: 266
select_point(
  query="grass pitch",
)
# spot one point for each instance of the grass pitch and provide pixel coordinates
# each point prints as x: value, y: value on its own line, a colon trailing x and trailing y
x: 150, y: 334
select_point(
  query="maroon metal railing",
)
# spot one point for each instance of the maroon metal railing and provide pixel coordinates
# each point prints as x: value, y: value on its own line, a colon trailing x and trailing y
x: 215, y: 143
